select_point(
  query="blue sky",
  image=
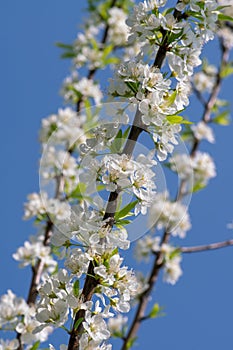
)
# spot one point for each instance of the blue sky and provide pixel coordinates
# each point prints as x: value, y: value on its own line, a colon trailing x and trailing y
x: 199, y: 308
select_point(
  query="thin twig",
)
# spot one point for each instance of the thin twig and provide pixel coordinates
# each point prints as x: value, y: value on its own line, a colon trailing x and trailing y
x: 202, y: 248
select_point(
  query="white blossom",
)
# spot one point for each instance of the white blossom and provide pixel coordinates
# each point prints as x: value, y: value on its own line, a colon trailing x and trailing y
x: 203, y: 132
x: 117, y: 323
x: 145, y: 246
x: 201, y: 165
x: 9, y: 344
x: 172, y: 270
x: 171, y: 216
x: 96, y: 327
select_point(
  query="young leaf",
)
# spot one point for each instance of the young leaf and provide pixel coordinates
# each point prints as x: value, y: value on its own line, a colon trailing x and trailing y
x: 170, y: 99
x: 35, y: 346
x: 64, y: 46
x: 125, y: 211
x: 226, y: 70
x: 130, y: 343
x: 198, y: 186
x: 76, y: 288
x: 174, y: 119
x: 156, y: 311
x: 77, y: 323
x: 222, y: 17
x: 177, y: 119
x: 222, y: 118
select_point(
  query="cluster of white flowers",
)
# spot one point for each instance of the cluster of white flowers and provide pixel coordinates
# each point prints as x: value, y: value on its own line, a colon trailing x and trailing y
x: 40, y: 206
x: 145, y: 246
x: 201, y: 166
x: 116, y: 284
x: 172, y: 260
x: 171, y: 256
x: 9, y: 344
x: 34, y: 250
x: 171, y: 216
x: 56, y: 163
x: 88, y: 48
x: 155, y: 95
x: 74, y: 89
x: 56, y: 297
x: 205, y: 79
x: 67, y: 126
x: 202, y: 131
x: 17, y: 315
x: 59, y: 168
x: 118, y: 31
x: 116, y: 324
x: 120, y: 172
x: 225, y: 32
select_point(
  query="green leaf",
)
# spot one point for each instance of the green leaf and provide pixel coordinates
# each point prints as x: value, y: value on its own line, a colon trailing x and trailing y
x: 186, y: 134
x: 174, y: 119
x: 130, y: 343
x: 107, y: 50
x: 68, y: 54
x: 126, y: 133
x: 120, y: 223
x: 35, y: 346
x: 64, y: 46
x: 222, y: 17
x: 174, y: 253
x: 117, y: 143
x: 76, y: 288
x: 222, y: 118
x: 170, y: 99
x: 125, y: 211
x: 100, y: 187
x: 198, y: 186
x: 177, y: 119
x: 226, y: 70
x: 111, y: 60
x: 94, y: 44
x: 133, y: 85
x: 175, y: 36
x: 79, y: 191
x: 102, y: 9
x: 155, y: 311
x: 114, y: 252
x: 78, y: 322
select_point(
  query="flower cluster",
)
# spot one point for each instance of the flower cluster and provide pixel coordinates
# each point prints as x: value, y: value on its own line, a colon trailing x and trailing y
x: 201, y: 166
x: 41, y: 206
x: 205, y: 79
x: 160, y: 98
x: 119, y: 172
x: 34, y: 250
x: 170, y: 216
x: 75, y: 89
x: 15, y: 314
x: 67, y: 126
x: 171, y: 256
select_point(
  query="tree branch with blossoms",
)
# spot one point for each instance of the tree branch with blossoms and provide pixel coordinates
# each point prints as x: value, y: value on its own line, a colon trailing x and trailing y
x: 88, y: 159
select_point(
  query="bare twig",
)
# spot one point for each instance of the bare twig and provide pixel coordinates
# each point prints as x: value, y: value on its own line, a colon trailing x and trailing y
x: 205, y: 247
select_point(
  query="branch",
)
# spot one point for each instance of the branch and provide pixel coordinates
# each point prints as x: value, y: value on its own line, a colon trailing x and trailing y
x: 158, y: 262
x: 135, y: 131
x: 206, y: 117
x: 92, y: 72
x: 202, y: 248
x: 38, y: 269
